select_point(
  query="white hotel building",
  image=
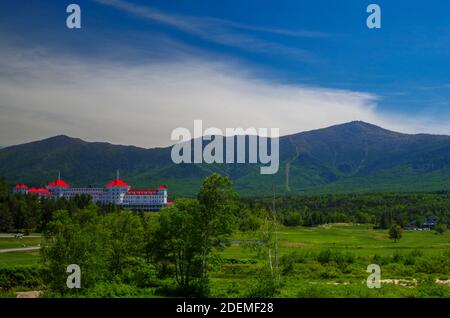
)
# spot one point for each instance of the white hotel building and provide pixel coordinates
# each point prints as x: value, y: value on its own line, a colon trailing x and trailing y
x: 115, y: 192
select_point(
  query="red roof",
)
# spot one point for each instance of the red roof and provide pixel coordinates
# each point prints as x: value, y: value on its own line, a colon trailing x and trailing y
x: 58, y: 183
x: 141, y: 192
x: 117, y: 183
x: 162, y: 187
x: 39, y: 191
x: 21, y: 186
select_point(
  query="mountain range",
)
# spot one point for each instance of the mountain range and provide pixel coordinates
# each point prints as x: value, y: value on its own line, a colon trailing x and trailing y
x: 345, y: 158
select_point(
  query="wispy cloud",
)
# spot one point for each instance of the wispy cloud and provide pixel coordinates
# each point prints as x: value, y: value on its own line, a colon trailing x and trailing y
x: 221, y: 31
x: 264, y: 29
x: 142, y: 104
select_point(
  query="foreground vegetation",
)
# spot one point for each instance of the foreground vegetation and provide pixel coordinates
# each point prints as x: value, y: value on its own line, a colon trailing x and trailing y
x: 218, y: 246
x: 325, y: 261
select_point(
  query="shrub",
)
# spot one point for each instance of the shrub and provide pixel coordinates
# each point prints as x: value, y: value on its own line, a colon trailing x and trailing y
x: 429, y: 288
x: 337, y: 257
x: 263, y: 285
x: 411, y: 257
x: 142, y: 275
x: 20, y: 276
x: 397, y: 257
x: 293, y: 219
x: 329, y: 272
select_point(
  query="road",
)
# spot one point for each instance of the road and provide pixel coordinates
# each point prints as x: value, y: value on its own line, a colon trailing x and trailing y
x: 18, y: 249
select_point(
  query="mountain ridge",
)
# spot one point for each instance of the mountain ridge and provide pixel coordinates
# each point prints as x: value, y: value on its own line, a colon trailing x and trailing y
x: 355, y: 122
x: 350, y: 157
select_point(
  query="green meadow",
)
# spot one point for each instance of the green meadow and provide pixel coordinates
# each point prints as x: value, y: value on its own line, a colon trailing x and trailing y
x: 11, y: 242
x: 361, y: 240
x: 331, y: 261
x: 323, y: 261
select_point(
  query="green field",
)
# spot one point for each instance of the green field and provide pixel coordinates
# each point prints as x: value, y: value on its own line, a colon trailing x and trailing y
x: 237, y: 266
x: 359, y: 239
x: 19, y: 258
x: 406, y: 260
x: 11, y: 242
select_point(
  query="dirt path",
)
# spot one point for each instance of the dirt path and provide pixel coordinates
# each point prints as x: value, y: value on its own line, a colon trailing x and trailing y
x: 29, y: 294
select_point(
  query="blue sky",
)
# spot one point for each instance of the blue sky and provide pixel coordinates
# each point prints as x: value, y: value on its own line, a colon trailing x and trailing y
x: 400, y: 73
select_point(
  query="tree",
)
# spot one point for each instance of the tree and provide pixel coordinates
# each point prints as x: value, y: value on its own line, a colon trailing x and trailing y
x: 249, y: 220
x: 103, y: 246
x: 125, y: 234
x: 177, y: 244
x: 217, y: 218
x: 6, y: 218
x: 441, y: 228
x: 293, y: 219
x: 395, y: 232
x: 191, y: 229
x: 4, y: 189
x: 73, y: 240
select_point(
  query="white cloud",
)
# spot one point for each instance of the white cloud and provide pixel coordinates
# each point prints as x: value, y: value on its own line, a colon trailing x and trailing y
x: 141, y: 105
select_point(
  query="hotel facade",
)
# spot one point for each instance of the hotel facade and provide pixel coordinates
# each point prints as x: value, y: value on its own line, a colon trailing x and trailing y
x: 115, y: 192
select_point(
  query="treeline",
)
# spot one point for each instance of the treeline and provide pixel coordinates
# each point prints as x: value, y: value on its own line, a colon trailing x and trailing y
x: 29, y: 213
x: 380, y: 209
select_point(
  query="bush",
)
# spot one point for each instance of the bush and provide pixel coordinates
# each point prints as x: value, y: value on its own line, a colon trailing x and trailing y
x: 112, y: 290
x: 411, y: 258
x: 337, y: 257
x: 249, y: 221
x: 141, y: 275
x: 293, y: 219
x: 20, y: 276
x: 329, y: 272
x: 429, y: 288
x: 264, y: 285
x: 397, y: 257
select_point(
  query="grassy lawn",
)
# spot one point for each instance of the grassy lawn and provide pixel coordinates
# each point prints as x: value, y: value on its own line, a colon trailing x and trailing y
x: 361, y: 240
x: 311, y: 279
x: 11, y: 242
x: 19, y: 258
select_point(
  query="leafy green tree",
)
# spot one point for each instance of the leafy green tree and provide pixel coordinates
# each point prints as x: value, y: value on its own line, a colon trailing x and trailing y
x: 293, y: 219
x: 395, y: 232
x: 76, y: 240
x: 177, y: 244
x: 249, y: 220
x: 107, y: 248
x: 191, y: 229
x: 6, y: 218
x: 4, y: 189
x: 263, y: 285
x: 441, y: 228
x: 125, y: 234
x: 217, y: 216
